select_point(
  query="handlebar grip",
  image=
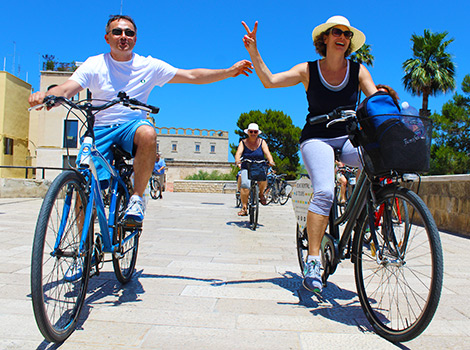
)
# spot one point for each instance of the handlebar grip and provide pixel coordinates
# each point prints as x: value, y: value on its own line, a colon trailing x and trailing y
x: 318, y: 119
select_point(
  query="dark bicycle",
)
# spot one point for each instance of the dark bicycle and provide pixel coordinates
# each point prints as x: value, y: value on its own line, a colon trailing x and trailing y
x: 253, y: 199
x: 66, y: 249
x: 155, y: 187
x: 398, y: 264
x: 278, y: 190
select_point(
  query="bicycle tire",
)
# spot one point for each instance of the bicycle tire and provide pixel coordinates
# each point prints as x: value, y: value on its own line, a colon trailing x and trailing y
x: 268, y: 195
x: 283, y: 195
x: 57, y: 302
x: 399, y: 294
x: 238, y: 200
x: 254, y: 206
x: 302, y: 247
x: 155, y: 188
x: 125, y: 259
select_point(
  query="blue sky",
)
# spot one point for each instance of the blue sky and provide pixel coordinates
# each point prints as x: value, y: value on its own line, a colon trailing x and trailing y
x: 195, y: 34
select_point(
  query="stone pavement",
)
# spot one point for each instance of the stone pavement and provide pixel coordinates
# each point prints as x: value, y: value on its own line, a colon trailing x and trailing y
x: 206, y: 281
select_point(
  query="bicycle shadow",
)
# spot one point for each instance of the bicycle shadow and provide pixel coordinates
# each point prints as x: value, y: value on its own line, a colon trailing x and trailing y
x: 242, y: 224
x: 100, y: 288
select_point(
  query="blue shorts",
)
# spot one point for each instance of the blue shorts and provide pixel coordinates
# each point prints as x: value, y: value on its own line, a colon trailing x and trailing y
x: 121, y: 135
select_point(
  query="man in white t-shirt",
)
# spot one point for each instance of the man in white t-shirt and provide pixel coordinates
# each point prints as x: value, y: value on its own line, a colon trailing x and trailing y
x: 123, y: 70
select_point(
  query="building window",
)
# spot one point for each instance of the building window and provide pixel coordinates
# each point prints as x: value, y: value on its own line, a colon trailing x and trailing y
x: 197, y: 148
x: 212, y: 148
x: 174, y: 147
x: 158, y: 147
x: 70, y: 133
x: 8, y: 146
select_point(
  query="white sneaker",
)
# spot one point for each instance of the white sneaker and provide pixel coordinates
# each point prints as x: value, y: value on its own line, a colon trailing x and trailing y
x: 135, y: 210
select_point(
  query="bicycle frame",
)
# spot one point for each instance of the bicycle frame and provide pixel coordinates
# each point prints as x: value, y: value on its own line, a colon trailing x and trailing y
x: 95, y: 200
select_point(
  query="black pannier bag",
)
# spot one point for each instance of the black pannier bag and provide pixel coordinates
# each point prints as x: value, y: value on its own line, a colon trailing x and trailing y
x: 257, y: 171
x: 392, y: 141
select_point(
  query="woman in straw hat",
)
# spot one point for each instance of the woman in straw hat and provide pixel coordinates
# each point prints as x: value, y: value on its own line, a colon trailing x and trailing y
x: 253, y: 148
x: 329, y: 82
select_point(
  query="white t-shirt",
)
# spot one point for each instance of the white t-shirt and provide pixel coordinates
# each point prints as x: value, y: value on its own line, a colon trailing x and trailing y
x: 105, y: 77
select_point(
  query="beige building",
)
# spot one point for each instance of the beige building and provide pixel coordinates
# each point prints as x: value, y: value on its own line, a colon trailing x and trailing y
x: 187, y: 151
x: 52, y: 131
x: 14, y: 125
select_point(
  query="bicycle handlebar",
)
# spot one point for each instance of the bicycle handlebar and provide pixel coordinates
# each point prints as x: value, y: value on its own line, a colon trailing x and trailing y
x: 341, y: 112
x: 132, y: 103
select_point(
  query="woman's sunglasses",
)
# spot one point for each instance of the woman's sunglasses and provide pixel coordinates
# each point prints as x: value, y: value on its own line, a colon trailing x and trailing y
x: 253, y: 131
x: 337, y: 32
x: 118, y: 31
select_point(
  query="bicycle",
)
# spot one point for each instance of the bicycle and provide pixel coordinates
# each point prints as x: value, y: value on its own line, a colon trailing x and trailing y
x: 399, y: 274
x: 66, y: 251
x: 349, y: 174
x: 155, y: 187
x: 278, y: 190
x: 253, y: 199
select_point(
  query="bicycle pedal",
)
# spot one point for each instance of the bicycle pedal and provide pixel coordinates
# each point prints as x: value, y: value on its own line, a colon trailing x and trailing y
x: 130, y: 224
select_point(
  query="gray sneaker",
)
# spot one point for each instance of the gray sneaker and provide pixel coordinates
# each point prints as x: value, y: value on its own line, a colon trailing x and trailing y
x: 312, y: 277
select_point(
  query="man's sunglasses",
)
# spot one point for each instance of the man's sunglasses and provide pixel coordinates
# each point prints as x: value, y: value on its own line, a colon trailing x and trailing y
x: 118, y: 31
x: 337, y: 32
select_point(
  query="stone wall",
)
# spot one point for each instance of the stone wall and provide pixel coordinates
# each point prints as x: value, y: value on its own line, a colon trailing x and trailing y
x: 209, y: 186
x: 23, y: 188
x: 448, y: 199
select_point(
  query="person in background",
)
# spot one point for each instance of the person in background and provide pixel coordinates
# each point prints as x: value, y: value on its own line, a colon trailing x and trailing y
x: 252, y: 148
x: 159, y: 170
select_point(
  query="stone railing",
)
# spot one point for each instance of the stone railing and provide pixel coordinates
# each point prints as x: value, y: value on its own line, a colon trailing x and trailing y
x: 448, y: 199
x: 209, y: 186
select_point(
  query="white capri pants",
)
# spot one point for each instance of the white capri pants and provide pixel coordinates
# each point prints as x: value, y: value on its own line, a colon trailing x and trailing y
x: 319, y: 159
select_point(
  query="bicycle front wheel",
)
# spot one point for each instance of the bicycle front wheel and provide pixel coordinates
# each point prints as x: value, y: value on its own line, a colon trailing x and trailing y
x: 59, y: 269
x: 399, y: 279
x: 128, y: 240
x: 155, y: 188
x: 254, y: 206
x: 284, y: 193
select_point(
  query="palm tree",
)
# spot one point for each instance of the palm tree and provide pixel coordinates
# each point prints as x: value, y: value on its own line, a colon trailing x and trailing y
x: 363, y: 56
x: 430, y: 71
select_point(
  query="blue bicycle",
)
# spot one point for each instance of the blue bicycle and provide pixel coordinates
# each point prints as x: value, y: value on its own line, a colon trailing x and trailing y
x: 66, y: 249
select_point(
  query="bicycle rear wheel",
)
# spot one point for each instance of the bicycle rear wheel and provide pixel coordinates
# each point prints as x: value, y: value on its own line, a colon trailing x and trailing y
x: 254, y: 206
x: 125, y: 258
x: 59, y: 270
x: 399, y: 281
x: 284, y: 192
x: 155, y: 188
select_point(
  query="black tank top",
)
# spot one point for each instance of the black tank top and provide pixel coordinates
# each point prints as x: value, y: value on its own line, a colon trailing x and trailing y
x: 322, y: 100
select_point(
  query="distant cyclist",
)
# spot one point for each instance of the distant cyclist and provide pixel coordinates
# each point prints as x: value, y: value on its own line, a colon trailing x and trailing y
x: 253, y: 148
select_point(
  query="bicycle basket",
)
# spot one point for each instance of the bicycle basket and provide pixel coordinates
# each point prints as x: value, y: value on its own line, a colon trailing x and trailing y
x: 257, y: 171
x: 401, y: 143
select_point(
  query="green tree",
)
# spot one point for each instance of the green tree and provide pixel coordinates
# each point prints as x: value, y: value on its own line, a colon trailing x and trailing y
x: 280, y: 134
x: 450, y: 153
x: 363, y: 56
x: 431, y: 70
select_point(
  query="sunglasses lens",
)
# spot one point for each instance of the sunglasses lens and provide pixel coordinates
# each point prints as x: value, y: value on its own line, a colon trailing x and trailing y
x: 118, y: 31
x: 337, y: 32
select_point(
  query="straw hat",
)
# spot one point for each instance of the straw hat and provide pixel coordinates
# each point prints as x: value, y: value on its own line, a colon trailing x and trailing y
x: 252, y: 126
x: 358, y: 38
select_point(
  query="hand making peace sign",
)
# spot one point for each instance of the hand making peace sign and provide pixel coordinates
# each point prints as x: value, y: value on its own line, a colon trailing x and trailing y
x: 250, y: 38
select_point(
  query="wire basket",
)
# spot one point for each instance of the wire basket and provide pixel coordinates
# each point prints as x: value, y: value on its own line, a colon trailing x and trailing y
x: 402, y: 143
